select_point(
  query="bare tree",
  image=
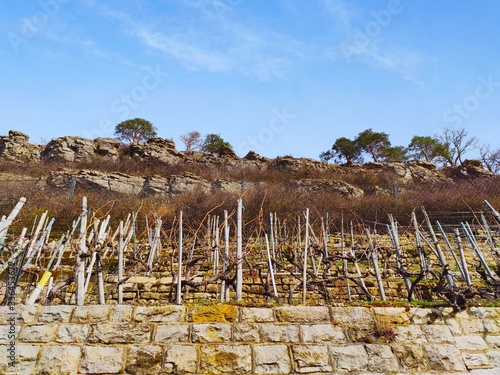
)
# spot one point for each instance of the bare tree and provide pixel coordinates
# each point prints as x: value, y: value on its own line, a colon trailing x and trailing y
x: 459, y: 143
x: 490, y: 158
x: 192, y: 140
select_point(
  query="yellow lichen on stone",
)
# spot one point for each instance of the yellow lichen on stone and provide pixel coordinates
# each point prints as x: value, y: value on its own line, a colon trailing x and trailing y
x: 213, y: 314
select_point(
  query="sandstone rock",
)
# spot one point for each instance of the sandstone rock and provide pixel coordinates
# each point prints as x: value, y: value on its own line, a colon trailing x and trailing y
x: 59, y: 360
x: 410, y: 333
x: 410, y: 356
x: 69, y: 149
x: 119, y: 333
x: 181, y: 359
x: 188, y: 182
x: 211, y: 333
x: 438, y: 334
x: 108, y: 147
x: 55, y: 313
x: 381, y: 359
x: 246, y: 332
x: 91, y: 314
x: 121, y: 313
x: 226, y: 359
x: 312, y: 358
x: 144, y: 360
x: 291, y: 164
x: 101, y: 360
x: 26, y: 357
x: 72, y: 333
x: 475, y: 360
x: 252, y: 155
x: 172, y: 333
x: 38, y: 333
x: 159, y: 314
x: 470, y: 169
x: 272, y: 359
x: 444, y: 357
x: 214, y: 313
x: 471, y: 343
x: 349, y: 358
x: 257, y: 315
x: 16, y: 147
x: 228, y: 186
x: 322, y: 333
x: 156, y: 150
x: 303, y: 314
x: 280, y: 333
x: 318, y: 186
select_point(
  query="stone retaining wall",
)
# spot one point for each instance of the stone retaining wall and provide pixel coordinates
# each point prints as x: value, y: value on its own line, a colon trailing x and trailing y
x: 227, y: 339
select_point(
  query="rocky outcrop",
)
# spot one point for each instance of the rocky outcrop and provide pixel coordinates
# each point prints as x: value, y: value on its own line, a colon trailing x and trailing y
x: 156, y: 149
x: 291, y: 164
x: 16, y: 148
x: 339, y: 187
x: 72, y: 149
x: 108, y: 147
x: 470, y: 169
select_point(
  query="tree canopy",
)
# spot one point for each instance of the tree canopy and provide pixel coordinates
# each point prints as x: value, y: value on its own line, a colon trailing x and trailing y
x: 214, y: 144
x: 135, y: 130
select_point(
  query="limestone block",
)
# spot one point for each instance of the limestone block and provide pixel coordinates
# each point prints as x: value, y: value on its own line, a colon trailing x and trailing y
x: 121, y: 313
x: 91, y: 314
x: 471, y: 326
x: 25, y: 359
x: 59, y: 360
x: 170, y: 313
x: 491, y: 326
x: 211, y: 333
x: 393, y: 315
x: 72, y: 333
x: 492, y: 371
x: 38, y: 333
x: 56, y: 313
x: 455, y: 327
x: 476, y: 360
x: 484, y: 312
x: 101, y: 360
x: 409, y: 333
x: 493, y: 341
x: 303, y: 314
x: 246, y: 332
x: 26, y: 314
x: 424, y: 316
x: 180, y: 359
x: 22, y: 314
x: 272, y: 359
x: 438, y: 333
x: 256, y: 315
x: 144, y: 359
x: 8, y: 330
x: 381, y: 358
x: 226, y: 359
x: 349, y: 358
x: 119, y: 333
x: 280, y: 333
x: 322, y: 332
x: 471, y: 343
x: 172, y: 333
x: 444, y: 357
x: 494, y: 357
x: 213, y: 314
x: 410, y: 356
x: 311, y: 358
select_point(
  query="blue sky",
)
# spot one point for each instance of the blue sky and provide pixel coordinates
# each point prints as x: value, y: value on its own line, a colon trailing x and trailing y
x: 276, y: 76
